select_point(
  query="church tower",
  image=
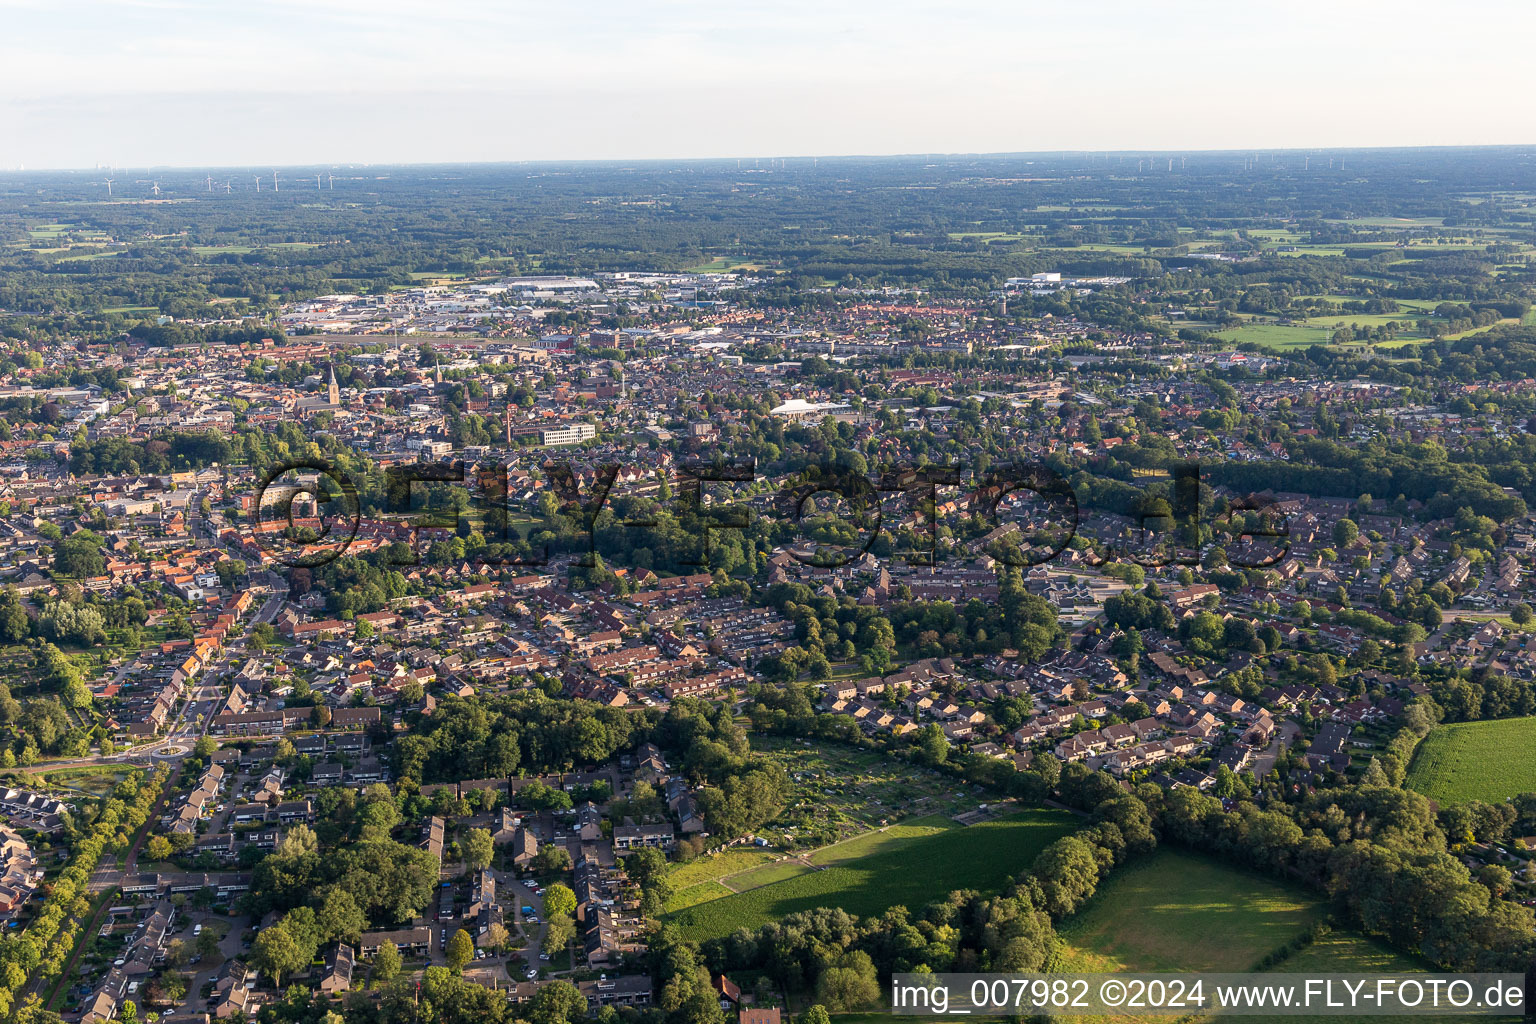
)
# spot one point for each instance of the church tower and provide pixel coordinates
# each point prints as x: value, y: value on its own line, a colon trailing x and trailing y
x: 332, y: 389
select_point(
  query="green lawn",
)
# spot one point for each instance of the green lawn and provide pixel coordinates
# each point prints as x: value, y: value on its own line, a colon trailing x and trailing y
x: 883, y: 841
x: 768, y: 874
x: 730, y: 862
x: 693, y: 895
x: 1176, y: 911
x: 738, y: 870
x: 1278, y: 336
x: 1489, y: 761
x: 912, y: 871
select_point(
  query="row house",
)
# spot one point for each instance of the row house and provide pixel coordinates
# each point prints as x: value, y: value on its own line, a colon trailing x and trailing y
x: 734, y: 675
x: 634, y: 837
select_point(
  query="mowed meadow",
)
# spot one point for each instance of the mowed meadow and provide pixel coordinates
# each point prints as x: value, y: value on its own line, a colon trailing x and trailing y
x: 1490, y: 761
x: 910, y: 864
x: 1177, y: 912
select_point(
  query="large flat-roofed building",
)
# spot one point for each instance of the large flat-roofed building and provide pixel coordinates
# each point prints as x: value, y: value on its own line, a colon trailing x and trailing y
x: 800, y: 409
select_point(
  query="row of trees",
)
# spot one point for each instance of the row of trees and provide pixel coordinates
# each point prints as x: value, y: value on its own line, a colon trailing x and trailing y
x: 44, y: 947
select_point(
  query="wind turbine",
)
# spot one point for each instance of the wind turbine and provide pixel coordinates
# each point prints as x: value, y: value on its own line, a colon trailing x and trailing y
x: 228, y: 187
x: 155, y: 188
x: 330, y: 181
x: 210, y: 183
x: 274, y: 181
x: 109, y: 188
x: 317, y: 183
x: 258, y: 181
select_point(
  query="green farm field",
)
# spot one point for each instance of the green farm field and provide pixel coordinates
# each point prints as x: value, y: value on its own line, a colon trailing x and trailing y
x: 913, y: 870
x: 1178, y: 912
x: 1489, y: 761
x: 1316, y: 330
x: 722, y: 265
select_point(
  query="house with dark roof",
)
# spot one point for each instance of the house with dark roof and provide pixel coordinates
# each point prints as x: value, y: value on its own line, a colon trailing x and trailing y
x: 338, y: 971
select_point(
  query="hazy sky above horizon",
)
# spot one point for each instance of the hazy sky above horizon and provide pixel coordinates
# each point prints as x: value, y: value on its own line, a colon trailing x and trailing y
x: 223, y: 83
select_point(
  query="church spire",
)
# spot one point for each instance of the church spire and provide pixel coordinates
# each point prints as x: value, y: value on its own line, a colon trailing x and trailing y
x: 332, y: 389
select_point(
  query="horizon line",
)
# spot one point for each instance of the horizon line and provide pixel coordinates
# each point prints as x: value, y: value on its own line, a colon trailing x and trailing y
x: 759, y: 158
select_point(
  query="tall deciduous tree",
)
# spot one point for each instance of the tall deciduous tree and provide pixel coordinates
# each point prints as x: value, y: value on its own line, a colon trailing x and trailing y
x: 460, y: 951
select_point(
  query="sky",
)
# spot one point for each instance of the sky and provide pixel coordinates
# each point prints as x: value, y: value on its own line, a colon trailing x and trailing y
x: 212, y: 83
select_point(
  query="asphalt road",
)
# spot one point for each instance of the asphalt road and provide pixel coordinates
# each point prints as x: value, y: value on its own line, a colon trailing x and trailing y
x: 514, y: 896
x: 1284, y: 736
